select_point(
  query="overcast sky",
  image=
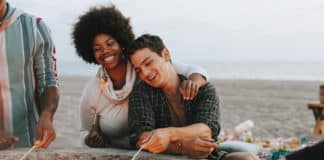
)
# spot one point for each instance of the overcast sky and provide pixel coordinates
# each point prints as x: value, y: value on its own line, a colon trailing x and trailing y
x: 214, y: 30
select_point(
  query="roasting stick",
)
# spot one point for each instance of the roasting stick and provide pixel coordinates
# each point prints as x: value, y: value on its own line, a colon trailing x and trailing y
x: 135, y: 155
x: 28, y: 152
x: 94, y: 118
x: 103, y: 87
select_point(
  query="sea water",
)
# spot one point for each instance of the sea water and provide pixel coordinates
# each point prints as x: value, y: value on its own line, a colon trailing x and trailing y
x: 299, y: 71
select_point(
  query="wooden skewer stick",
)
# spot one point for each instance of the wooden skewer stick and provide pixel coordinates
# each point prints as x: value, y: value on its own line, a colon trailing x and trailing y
x: 28, y: 152
x: 135, y: 155
x: 103, y: 87
x: 94, y: 118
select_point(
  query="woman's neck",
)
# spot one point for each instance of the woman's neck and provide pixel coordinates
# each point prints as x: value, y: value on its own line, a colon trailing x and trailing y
x: 118, y: 75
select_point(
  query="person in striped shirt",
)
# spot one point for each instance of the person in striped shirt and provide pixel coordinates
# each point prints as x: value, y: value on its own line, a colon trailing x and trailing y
x: 28, y: 80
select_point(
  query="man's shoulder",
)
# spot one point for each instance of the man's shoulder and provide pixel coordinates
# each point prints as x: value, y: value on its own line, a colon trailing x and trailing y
x: 208, y: 90
x: 26, y: 15
x: 207, y: 87
x: 30, y: 17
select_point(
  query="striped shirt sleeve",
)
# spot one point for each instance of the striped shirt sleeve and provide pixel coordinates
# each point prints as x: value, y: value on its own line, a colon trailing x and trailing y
x: 44, y: 59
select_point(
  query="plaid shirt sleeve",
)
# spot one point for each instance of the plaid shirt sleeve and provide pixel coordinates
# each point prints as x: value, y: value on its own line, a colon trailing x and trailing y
x: 141, y: 116
x: 206, y: 109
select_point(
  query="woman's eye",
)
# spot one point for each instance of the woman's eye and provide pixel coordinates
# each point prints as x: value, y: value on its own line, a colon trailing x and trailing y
x: 96, y: 49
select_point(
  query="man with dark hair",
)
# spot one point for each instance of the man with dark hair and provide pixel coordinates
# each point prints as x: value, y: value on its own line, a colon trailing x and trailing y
x: 28, y: 82
x: 160, y: 120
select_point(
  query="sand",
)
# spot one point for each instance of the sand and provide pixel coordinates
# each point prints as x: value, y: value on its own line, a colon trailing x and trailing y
x: 278, y: 108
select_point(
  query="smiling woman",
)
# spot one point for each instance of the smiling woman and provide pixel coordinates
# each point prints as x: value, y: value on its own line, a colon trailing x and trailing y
x: 107, y: 52
x: 99, y: 39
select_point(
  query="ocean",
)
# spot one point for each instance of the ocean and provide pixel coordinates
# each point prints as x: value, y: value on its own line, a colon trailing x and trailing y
x: 295, y: 71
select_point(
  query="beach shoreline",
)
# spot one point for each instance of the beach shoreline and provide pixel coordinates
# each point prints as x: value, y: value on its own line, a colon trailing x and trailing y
x: 277, y: 108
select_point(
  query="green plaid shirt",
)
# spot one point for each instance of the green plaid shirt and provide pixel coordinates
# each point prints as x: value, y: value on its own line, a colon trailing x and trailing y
x: 149, y: 109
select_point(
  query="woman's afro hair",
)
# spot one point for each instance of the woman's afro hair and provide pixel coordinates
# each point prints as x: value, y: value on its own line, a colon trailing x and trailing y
x: 98, y: 20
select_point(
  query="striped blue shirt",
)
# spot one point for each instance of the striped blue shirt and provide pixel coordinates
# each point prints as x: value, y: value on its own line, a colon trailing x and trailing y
x: 27, y: 68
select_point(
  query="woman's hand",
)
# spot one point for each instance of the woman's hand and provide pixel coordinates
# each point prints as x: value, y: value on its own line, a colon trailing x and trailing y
x: 199, y: 148
x: 94, y: 140
x: 189, y: 88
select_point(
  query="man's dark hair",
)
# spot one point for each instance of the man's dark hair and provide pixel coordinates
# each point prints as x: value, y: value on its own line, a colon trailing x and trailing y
x: 152, y: 42
x: 98, y: 20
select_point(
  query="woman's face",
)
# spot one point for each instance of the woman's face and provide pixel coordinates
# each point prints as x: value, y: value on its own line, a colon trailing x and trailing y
x: 107, y: 51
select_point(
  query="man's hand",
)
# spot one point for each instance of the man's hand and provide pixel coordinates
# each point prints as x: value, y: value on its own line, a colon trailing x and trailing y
x: 44, y: 131
x: 157, y: 141
x: 7, y: 141
x: 199, y: 148
x: 94, y: 140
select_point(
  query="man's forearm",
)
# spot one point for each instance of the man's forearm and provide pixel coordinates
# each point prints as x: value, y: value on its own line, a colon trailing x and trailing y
x: 175, y: 147
x: 49, y: 102
x: 189, y: 132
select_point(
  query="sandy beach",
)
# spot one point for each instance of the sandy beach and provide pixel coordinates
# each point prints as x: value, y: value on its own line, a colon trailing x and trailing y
x: 278, y: 108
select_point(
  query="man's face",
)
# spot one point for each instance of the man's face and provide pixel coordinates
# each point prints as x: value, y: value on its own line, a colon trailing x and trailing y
x: 152, y: 68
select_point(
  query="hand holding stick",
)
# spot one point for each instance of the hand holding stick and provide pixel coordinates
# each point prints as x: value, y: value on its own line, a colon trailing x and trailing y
x: 28, y: 152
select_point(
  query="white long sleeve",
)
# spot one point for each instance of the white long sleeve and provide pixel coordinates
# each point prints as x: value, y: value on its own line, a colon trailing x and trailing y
x: 187, y: 69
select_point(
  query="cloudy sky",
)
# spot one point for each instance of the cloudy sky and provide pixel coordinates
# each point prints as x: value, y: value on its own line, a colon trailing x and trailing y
x: 235, y: 30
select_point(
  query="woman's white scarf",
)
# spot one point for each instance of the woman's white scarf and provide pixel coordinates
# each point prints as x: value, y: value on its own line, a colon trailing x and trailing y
x: 117, y: 96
